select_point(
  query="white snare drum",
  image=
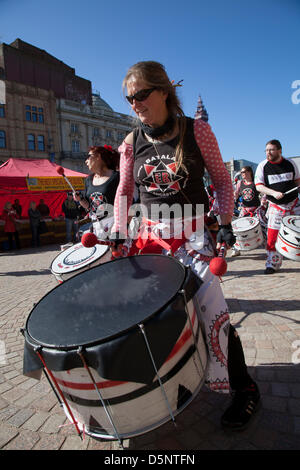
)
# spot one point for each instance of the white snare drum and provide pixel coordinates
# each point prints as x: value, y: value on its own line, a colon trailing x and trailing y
x: 248, y: 233
x: 122, y: 344
x: 288, y: 239
x: 78, y: 258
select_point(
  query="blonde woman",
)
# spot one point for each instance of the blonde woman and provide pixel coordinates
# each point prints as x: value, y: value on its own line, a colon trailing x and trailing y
x: 166, y: 156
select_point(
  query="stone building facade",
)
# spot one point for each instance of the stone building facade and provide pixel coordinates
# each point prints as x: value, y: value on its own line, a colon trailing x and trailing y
x: 28, y: 122
x: 82, y: 126
x: 47, y: 111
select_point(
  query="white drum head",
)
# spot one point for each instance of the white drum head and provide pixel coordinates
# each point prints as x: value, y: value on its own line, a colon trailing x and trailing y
x: 244, y: 224
x: 76, y: 257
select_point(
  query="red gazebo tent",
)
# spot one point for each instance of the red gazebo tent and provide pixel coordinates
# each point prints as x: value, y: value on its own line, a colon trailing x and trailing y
x: 34, y: 179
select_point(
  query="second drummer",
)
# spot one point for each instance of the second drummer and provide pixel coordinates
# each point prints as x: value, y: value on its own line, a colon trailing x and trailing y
x: 100, y: 187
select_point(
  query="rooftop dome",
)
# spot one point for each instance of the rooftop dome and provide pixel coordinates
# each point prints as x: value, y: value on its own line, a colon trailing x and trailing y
x: 99, y: 102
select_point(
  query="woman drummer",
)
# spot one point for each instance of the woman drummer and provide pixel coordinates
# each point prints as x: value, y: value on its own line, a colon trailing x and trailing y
x: 100, y: 187
x: 166, y: 156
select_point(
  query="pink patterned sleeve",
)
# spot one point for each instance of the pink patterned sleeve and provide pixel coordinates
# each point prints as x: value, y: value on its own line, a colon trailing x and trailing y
x: 214, y: 164
x: 124, y: 194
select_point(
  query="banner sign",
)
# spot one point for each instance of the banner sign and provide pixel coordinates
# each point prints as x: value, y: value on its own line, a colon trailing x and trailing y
x: 46, y: 183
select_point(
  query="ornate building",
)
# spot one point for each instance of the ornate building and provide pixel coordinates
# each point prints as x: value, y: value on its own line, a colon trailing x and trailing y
x: 82, y: 125
x: 47, y: 111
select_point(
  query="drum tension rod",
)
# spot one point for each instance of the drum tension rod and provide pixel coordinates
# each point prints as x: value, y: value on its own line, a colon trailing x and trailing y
x: 38, y: 350
x: 80, y: 353
x: 183, y: 293
x: 142, y: 328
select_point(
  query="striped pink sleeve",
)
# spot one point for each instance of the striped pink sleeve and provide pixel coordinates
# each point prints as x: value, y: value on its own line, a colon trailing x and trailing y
x: 124, y: 194
x: 214, y: 164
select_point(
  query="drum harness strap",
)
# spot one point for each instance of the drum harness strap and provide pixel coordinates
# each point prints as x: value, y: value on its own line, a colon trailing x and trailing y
x: 284, y: 210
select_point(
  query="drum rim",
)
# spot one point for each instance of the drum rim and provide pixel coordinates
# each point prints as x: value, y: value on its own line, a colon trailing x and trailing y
x: 236, y: 229
x: 289, y: 227
x: 87, y: 263
x: 33, y: 342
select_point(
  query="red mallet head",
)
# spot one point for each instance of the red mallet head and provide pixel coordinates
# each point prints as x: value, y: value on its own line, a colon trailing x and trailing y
x: 60, y: 170
x: 89, y: 239
x: 218, y: 266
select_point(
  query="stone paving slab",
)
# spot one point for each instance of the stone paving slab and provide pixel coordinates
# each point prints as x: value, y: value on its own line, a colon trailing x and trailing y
x: 264, y: 309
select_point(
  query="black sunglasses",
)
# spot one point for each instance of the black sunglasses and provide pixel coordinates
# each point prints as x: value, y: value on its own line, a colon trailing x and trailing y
x: 140, y: 95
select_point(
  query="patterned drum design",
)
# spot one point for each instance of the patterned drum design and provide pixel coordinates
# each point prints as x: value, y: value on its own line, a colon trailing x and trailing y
x: 288, y: 239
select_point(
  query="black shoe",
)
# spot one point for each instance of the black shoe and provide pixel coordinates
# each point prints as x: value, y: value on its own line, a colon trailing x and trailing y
x: 244, y: 404
x: 269, y: 271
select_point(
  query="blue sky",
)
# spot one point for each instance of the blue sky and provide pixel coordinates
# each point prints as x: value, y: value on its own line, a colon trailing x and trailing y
x: 241, y: 56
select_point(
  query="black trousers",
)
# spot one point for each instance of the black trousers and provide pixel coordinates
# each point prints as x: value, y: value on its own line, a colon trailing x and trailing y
x: 239, y: 377
x: 12, y: 235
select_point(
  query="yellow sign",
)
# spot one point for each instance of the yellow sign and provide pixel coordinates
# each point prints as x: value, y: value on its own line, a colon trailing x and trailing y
x: 46, y: 183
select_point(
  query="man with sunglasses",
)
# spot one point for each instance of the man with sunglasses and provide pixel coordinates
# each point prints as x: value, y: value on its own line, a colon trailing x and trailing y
x: 275, y: 177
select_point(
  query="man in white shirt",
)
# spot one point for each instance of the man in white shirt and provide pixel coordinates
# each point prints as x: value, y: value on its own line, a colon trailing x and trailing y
x: 276, y: 177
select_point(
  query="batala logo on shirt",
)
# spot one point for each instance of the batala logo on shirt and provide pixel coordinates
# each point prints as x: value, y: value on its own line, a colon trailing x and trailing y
x: 159, y: 176
x: 279, y: 178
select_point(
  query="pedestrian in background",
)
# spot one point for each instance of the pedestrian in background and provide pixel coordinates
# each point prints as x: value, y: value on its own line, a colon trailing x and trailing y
x: 9, y: 216
x: 34, y: 218
x: 71, y: 210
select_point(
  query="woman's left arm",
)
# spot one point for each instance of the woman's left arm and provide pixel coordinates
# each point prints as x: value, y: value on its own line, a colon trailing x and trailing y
x: 214, y: 164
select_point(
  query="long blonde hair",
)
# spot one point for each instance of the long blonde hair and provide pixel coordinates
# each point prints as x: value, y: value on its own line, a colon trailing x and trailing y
x: 154, y: 75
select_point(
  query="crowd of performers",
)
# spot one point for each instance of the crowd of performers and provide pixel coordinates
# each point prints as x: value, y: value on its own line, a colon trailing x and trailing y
x: 269, y: 195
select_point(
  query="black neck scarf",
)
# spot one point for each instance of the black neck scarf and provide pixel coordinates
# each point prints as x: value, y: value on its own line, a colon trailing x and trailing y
x: 154, y: 132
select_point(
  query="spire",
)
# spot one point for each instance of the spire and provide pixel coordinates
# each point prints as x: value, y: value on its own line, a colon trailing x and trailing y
x: 201, y: 112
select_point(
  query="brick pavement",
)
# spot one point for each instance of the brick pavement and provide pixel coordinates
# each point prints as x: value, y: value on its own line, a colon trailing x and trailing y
x: 264, y: 309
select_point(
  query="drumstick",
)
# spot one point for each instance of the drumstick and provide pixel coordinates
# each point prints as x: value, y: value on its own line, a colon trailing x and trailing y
x: 218, y: 265
x: 89, y: 239
x: 60, y: 171
x: 294, y: 189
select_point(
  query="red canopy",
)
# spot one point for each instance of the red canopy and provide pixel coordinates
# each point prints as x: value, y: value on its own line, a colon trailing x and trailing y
x: 29, y: 179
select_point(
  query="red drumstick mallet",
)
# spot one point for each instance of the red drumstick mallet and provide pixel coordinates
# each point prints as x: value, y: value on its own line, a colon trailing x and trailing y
x: 89, y: 239
x: 218, y: 265
x: 61, y: 172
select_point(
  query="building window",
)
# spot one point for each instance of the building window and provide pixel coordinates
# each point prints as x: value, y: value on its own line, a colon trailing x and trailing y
x: 96, y: 132
x: 74, y: 128
x: 41, y: 143
x: 2, y: 140
x: 109, y: 134
x: 75, y: 146
x: 2, y: 110
x: 34, y: 114
x: 31, y: 142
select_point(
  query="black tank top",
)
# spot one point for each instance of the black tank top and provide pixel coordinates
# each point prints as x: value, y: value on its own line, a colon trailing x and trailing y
x: 249, y: 195
x: 156, y: 174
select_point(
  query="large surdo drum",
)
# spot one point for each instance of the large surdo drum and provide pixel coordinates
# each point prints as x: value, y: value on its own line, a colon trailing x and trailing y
x: 121, y: 345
